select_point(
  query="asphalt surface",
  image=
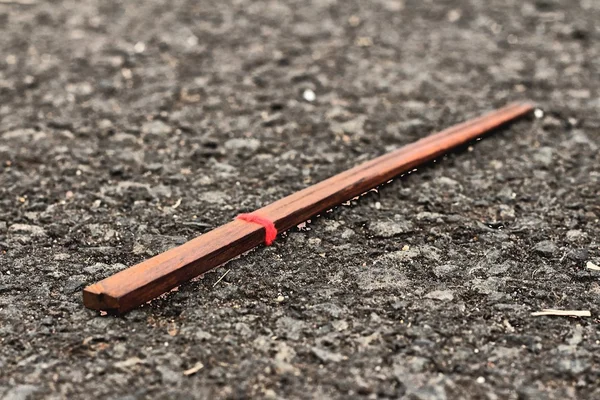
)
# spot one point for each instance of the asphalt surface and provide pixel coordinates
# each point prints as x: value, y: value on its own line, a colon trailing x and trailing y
x: 127, y: 128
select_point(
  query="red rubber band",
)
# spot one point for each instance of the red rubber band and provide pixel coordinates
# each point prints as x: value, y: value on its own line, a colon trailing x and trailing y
x: 270, y: 230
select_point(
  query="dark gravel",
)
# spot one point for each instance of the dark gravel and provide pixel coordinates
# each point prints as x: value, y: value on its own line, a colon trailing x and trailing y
x: 130, y: 127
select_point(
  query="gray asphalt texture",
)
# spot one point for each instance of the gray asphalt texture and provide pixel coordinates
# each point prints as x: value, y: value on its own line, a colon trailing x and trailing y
x: 130, y: 127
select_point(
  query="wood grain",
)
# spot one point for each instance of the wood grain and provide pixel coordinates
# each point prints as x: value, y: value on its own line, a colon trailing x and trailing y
x: 136, y: 285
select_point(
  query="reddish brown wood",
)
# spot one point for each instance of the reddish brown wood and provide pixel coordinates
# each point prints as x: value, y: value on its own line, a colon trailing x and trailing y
x: 143, y: 282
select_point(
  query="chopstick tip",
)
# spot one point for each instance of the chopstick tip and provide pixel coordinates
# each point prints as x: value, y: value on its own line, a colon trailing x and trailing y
x: 527, y: 105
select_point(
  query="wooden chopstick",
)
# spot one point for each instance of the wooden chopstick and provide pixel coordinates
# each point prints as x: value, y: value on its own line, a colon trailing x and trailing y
x: 136, y: 285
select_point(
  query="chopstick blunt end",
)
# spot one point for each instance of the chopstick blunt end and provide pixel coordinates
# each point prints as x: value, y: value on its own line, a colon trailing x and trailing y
x: 95, y: 298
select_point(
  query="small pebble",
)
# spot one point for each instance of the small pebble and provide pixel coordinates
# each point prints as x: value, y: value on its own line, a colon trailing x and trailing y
x: 309, y: 95
x: 280, y: 299
x: 592, y: 266
x: 139, y: 47
x: 539, y: 113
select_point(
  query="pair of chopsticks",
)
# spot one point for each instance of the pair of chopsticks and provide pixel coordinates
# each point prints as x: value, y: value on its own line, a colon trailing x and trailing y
x: 136, y: 285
